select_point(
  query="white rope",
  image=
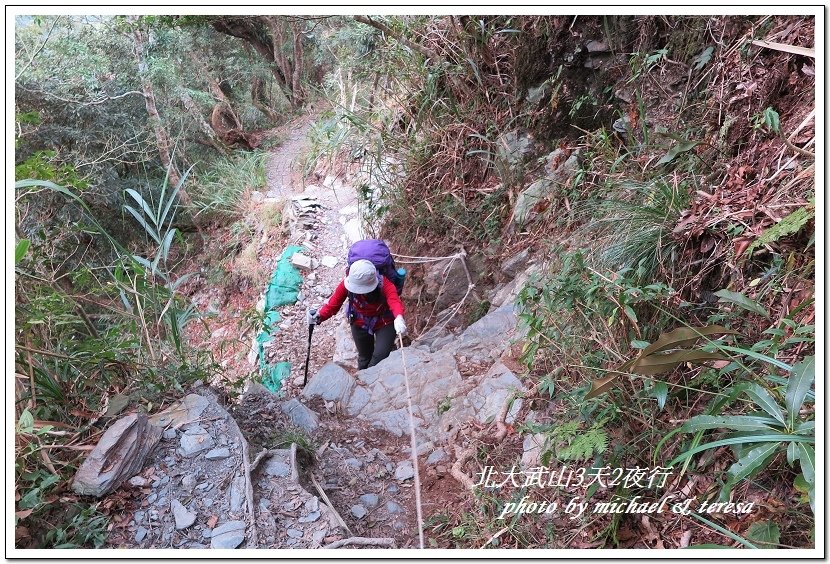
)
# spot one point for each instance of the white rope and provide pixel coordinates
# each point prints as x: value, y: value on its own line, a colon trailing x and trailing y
x: 414, y: 448
x: 405, y: 259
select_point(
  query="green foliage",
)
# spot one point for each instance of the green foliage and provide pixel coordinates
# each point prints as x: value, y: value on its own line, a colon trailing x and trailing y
x: 636, y: 228
x: 771, y: 427
x: 789, y: 225
x: 567, y: 442
x: 219, y: 192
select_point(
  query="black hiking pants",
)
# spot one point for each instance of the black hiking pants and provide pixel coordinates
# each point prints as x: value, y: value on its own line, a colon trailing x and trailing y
x: 371, y: 349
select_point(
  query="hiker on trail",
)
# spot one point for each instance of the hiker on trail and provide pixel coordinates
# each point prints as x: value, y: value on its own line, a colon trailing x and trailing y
x: 375, y: 312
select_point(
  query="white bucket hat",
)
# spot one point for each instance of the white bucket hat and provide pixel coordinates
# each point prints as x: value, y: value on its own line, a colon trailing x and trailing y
x: 362, y: 278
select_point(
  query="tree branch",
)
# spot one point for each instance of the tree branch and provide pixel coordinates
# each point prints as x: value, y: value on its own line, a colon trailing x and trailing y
x: 428, y: 53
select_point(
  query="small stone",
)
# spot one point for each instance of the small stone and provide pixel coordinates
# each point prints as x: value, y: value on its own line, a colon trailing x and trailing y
x: 228, y: 535
x: 301, y: 261
x: 207, y: 502
x: 138, y: 516
x: 436, y: 456
x: 152, y: 498
x: 404, y: 471
x: 140, y: 534
x: 188, y: 482
x: 354, y: 463
x: 237, y: 493
x: 318, y: 536
x: 153, y: 515
x: 204, y: 487
x: 207, y: 533
x: 183, y: 517
x: 312, y: 504
x: 195, y: 441
x: 276, y: 467
x: 393, y: 507
x: 310, y: 518
x: 329, y: 261
x: 294, y: 533
x: 138, y: 481
x: 369, y: 499
x: 169, y: 433
x: 218, y: 454
x: 359, y: 511
x: 392, y: 488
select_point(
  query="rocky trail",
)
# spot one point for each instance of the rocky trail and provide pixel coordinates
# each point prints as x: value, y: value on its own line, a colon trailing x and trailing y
x: 312, y: 466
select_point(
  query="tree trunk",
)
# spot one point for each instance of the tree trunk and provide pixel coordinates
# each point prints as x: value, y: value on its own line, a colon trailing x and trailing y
x: 215, y: 89
x: 259, y: 100
x: 297, y: 74
x: 254, y: 30
x: 162, y: 138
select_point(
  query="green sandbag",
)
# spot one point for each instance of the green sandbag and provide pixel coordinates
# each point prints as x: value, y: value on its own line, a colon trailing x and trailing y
x: 283, y: 289
x: 285, y: 283
x: 273, y: 376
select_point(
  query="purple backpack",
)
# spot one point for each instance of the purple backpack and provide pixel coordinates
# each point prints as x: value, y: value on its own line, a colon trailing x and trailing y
x: 376, y: 251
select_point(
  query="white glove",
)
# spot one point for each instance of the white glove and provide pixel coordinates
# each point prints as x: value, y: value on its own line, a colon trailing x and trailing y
x: 400, y: 325
x: 312, y: 317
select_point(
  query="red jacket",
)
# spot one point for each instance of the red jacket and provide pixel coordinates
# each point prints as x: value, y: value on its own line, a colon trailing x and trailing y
x: 385, y: 310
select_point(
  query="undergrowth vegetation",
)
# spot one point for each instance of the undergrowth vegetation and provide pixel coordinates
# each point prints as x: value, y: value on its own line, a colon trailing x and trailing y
x: 672, y: 322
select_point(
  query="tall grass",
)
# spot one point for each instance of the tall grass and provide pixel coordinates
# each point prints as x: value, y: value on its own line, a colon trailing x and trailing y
x: 219, y: 191
x: 636, y: 228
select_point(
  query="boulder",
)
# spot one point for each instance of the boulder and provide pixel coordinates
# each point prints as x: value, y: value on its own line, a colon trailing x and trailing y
x: 300, y: 415
x: 118, y: 456
x: 513, y: 265
x: 345, y: 353
x: 228, y: 535
x: 331, y: 383
x: 514, y: 147
x: 446, y: 281
x: 558, y: 175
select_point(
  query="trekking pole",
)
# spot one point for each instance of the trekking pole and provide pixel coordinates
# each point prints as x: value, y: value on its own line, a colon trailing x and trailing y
x: 414, y: 448
x: 308, y: 354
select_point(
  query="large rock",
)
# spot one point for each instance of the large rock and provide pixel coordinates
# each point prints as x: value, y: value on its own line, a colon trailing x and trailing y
x: 331, y: 383
x: 345, y: 353
x: 559, y: 175
x: 488, y: 336
x: 483, y: 398
x: 380, y: 396
x: 300, y: 415
x: 514, y: 147
x: 118, y: 456
x: 228, y: 535
x: 446, y: 281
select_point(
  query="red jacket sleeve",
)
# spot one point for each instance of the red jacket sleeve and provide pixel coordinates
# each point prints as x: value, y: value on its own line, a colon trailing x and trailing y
x: 392, y: 298
x: 335, y: 302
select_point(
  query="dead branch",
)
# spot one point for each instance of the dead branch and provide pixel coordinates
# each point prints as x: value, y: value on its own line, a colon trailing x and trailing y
x: 362, y: 541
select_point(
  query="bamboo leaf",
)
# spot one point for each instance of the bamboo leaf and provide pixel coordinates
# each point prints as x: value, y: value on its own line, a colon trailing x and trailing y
x: 684, y: 337
x: 765, y: 401
x: 147, y: 227
x: 20, y: 250
x: 801, y: 378
x: 657, y: 364
x: 756, y: 356
x: 172, y: 198
x: 764, y: 533
x: 601, y: 386
x: 750, y: 462
x: 660, y: 391
x: 165, y: 245
x: 744, y: 439
x: 741, y: 300
x: 144, y: 205
x: 734, y: 422
x: 676, y: 150
x: 807, y: 456
x: 792, y: 453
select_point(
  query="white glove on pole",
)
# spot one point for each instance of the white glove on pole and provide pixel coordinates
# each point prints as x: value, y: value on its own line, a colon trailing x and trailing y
x: 400, y: 325
x: 312, y: 317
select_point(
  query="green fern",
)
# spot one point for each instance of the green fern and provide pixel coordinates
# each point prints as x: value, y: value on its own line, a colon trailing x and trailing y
x: 568, y: 443
x: 787, y: 226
